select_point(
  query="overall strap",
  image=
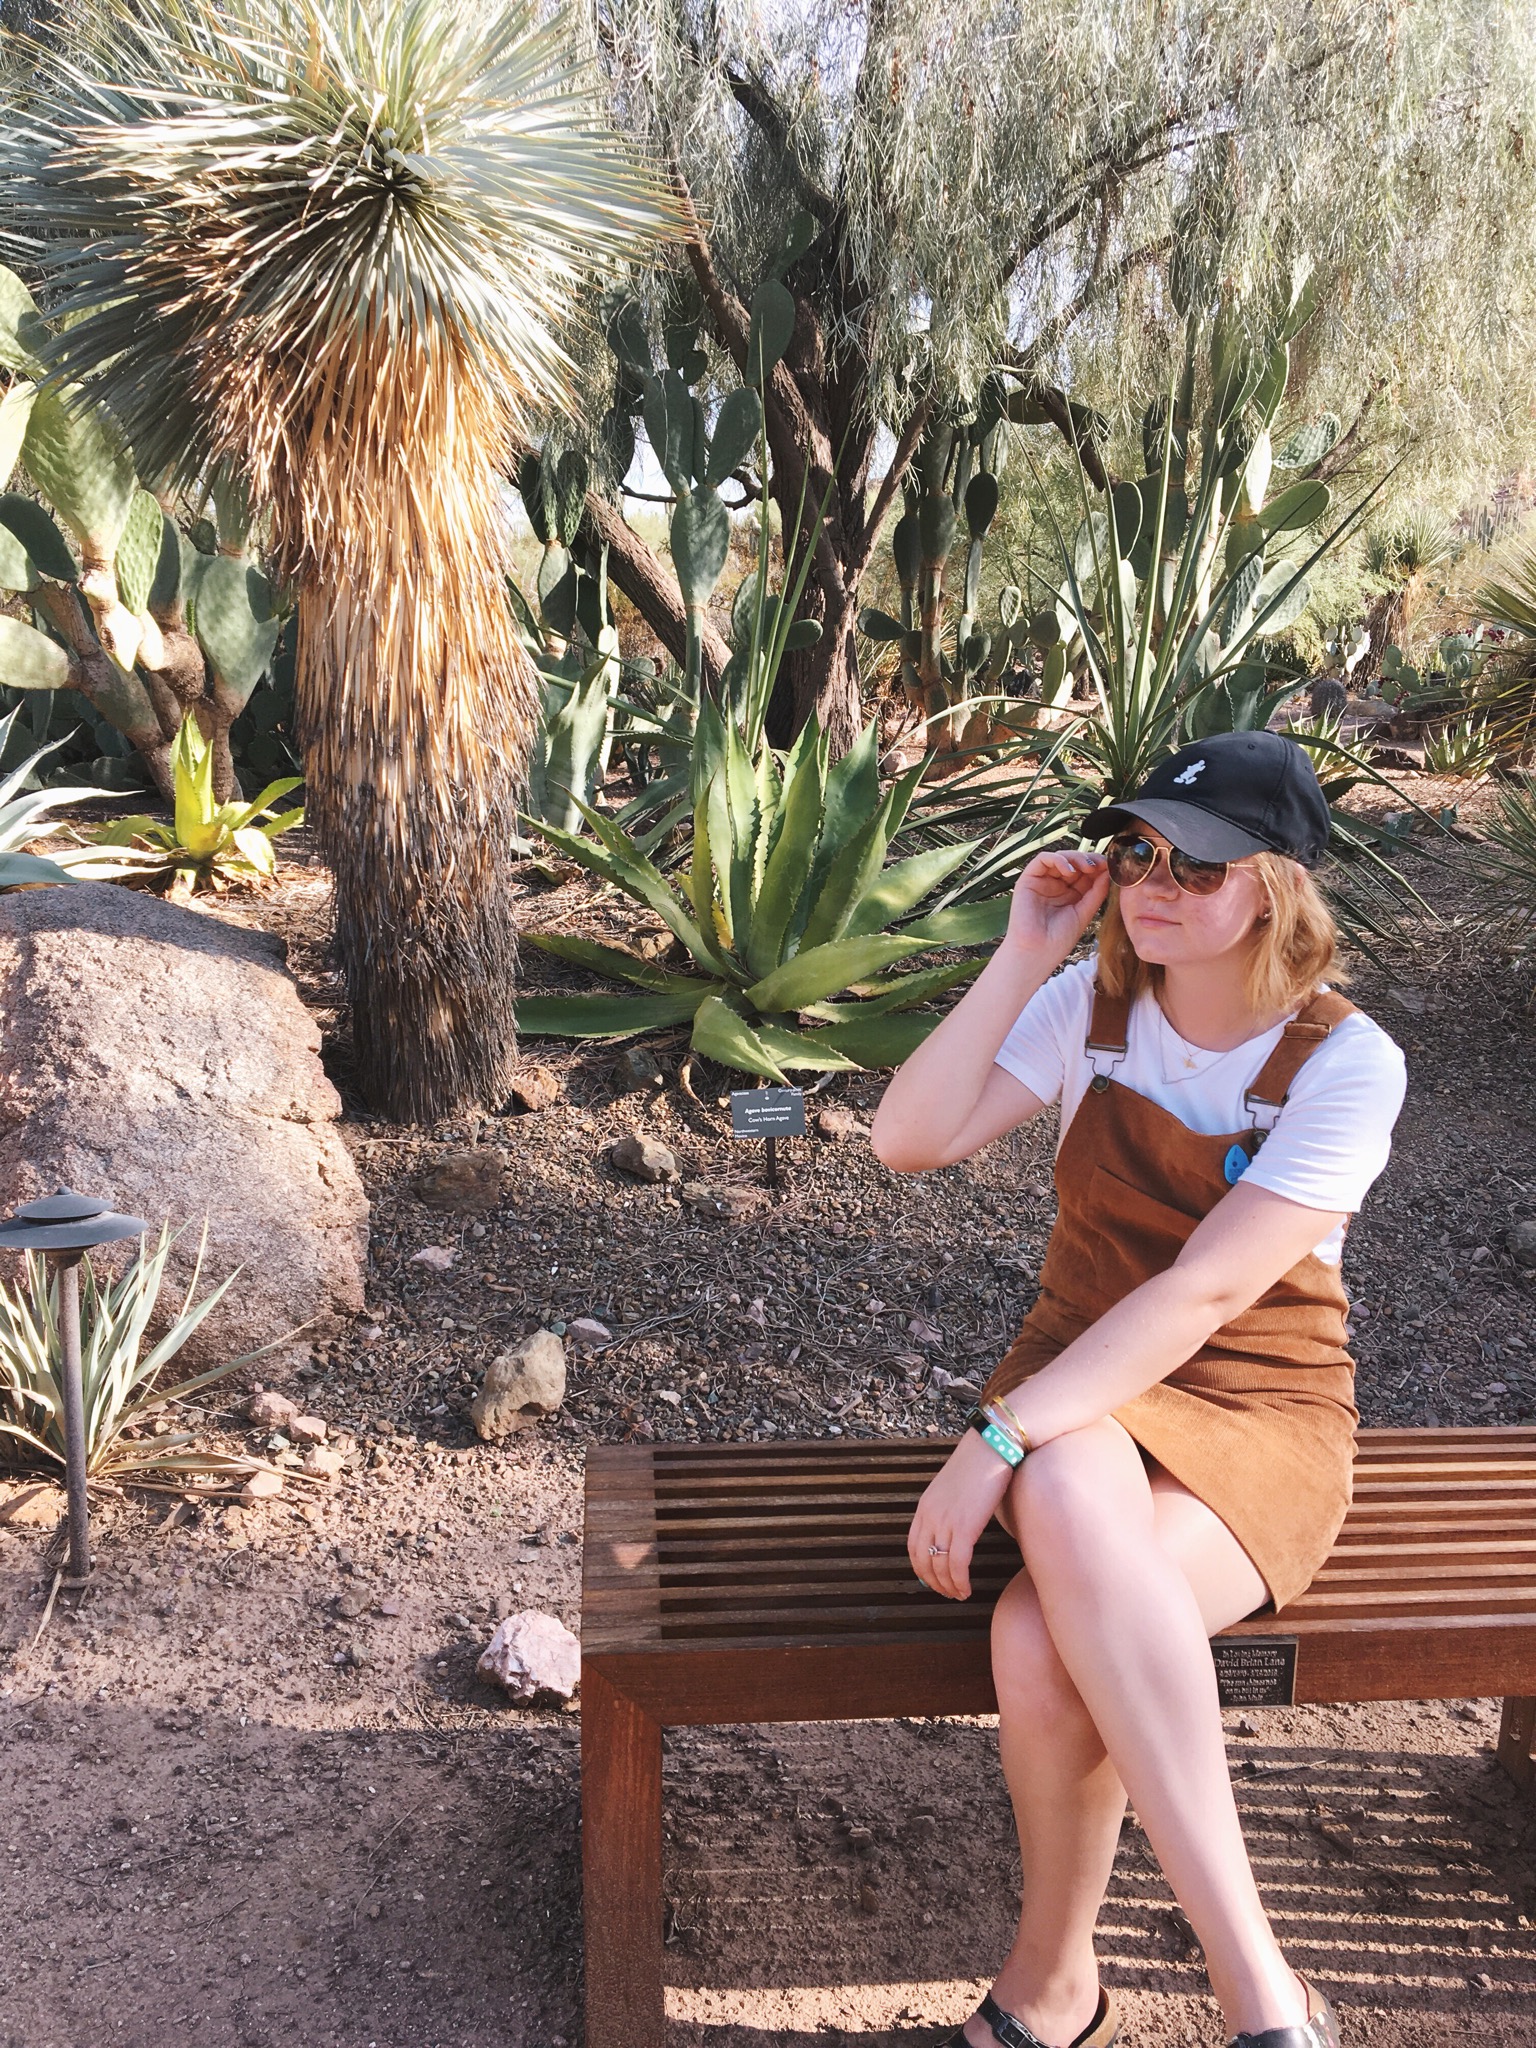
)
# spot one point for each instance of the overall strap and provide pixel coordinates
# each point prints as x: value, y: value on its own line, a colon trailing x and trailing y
x: 1300, y: 1039
x: 1108, y: 1034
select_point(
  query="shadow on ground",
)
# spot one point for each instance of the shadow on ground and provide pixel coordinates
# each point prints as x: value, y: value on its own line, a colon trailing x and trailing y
x: 811, y: 1900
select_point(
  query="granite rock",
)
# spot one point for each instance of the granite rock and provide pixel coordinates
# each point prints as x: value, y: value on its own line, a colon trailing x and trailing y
x: 159, y: 1056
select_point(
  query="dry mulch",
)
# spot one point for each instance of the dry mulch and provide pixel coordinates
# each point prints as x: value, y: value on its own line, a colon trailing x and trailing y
x: 253, y: 1788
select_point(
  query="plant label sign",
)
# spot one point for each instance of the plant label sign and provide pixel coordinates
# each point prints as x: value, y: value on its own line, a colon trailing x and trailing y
x: 768, y: 1113
x: 1255, y: 1671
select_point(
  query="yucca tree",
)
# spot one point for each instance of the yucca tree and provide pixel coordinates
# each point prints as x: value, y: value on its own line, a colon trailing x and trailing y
x: 327, y: 244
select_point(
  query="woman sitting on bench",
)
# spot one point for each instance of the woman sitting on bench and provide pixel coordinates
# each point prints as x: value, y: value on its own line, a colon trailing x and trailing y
x: 1170, y: 1439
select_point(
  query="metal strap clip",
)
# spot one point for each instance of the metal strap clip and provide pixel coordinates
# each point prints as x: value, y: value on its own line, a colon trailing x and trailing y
x: 1103, y: 1075
x: 1252, y: 1104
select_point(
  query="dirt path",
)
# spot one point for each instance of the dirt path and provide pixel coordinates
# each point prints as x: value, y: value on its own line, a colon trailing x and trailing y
x: 253, y: 1793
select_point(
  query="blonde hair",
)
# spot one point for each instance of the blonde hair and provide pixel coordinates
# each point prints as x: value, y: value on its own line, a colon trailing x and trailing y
x: 1293, y: 951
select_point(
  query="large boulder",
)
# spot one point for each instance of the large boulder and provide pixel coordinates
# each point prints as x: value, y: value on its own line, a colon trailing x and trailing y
x: 160, y: 1057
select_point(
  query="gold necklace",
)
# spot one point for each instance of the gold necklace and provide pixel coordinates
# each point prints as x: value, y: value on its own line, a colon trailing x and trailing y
x: 1191, y: 1052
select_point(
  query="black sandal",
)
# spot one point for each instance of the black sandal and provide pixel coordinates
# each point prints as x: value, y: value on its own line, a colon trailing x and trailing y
x: 1102, y: 2031
x: 1320, y: 2031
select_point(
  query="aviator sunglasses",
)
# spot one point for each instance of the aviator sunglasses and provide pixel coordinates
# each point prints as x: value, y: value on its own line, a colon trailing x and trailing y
x: 1132, y: 857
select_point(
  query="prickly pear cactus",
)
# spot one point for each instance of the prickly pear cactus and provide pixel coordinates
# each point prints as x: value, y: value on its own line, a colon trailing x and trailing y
x: 114, y: 589
x: 956, y: 665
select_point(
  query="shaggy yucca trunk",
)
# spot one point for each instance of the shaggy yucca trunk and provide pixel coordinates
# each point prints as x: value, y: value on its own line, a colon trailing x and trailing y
x: 415, y: 721
x: 416, y: 706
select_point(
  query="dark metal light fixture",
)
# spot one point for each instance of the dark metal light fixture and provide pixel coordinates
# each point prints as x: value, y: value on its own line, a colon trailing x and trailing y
x: 65, y: 1226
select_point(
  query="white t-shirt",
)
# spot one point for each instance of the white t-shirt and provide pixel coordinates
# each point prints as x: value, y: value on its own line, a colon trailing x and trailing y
x: 1330, y: 1141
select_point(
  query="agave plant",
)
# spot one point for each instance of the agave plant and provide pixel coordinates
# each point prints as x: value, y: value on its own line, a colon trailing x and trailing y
x: 327, y: 244
x: 208, y: 845
x: 1463, y: 746
x: 1172, y: 585
x: 22, y: 816
x: 120, y: 1378
x: 1509, y: 858
x: 788, y: 904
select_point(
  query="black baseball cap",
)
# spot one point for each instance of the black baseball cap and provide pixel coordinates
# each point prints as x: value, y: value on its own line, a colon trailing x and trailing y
x: 1234, y: 793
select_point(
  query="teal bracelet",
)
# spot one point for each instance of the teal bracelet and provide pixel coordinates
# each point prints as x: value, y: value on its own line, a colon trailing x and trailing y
x: 1010, y: 1452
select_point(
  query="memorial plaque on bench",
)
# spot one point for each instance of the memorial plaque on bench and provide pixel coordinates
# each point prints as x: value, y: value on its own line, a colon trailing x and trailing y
x: 1255, y: 1671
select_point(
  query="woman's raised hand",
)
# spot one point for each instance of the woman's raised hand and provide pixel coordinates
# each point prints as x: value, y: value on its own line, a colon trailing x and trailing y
x: 1053, y: 901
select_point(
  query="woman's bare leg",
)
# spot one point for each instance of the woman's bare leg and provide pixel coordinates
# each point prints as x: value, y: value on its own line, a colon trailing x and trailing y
x: 1138, y: 1573
x: 1068, y: 1803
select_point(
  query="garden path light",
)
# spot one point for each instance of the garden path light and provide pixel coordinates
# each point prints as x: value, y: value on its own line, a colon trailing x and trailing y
x: 65, y: 1226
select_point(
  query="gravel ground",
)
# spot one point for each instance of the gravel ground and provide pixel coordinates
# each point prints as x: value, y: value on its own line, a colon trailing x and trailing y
x: 253, y: 1788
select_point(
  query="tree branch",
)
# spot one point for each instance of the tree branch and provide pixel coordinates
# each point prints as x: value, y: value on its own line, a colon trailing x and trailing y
x: 1057, y: 327
x: 793, y: 434
x: 890, y: 484
x: 1346, y: 447
x: 1053, y: 403
x: 766, y: 115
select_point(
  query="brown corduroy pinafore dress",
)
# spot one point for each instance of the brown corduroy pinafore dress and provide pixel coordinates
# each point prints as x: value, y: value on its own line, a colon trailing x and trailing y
x: 1259, y: 1423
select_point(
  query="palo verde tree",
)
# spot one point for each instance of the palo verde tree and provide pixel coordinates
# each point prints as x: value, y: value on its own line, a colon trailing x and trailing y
x: 991, y: 186
x: 324, y: 243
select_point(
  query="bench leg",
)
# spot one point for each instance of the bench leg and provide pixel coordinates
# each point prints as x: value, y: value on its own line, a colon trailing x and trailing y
x: 1517, y: 1742
x: 621, y: 1868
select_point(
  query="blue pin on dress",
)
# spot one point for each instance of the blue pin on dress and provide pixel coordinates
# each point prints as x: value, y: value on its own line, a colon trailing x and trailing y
x: 1235, y: 1165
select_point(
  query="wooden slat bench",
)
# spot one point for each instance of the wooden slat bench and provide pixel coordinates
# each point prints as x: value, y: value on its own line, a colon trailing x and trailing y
x: 769, y: 1582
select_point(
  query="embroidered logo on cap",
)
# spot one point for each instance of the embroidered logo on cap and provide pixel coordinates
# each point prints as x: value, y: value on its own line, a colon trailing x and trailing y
x: 1188, y: 774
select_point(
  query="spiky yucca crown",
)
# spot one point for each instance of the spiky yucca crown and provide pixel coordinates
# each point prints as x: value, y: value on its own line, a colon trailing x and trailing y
x: 258, y: 212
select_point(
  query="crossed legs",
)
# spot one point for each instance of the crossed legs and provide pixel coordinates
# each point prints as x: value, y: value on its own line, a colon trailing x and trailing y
x: 1105, y: 1687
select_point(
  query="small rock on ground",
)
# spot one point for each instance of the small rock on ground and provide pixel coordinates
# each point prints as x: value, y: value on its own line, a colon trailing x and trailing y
x: 32, y: 1507
x: 588, y: 1334
x: 533, y: 1654
x: 535, y: 1088
x: 463, y: 1183
x: 522, y: 1385
x: 268, y: 1409
x: 644, y: 1159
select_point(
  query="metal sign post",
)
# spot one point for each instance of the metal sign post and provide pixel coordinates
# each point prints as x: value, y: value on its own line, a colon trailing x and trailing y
x: 770, y: 1114
x: 64, y: 1227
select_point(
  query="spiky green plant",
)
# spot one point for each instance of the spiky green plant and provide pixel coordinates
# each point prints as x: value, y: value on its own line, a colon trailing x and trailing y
x: 1172, y: 584
x: 1461, y: 746
x: 22, y: 816
x: 208, y: 845
x: 326, y: 243
x: 1509, y: 878
x: 788, y: 904
x: 1421, y: 540
x: 1170, y: 589
x: 121, y: 1380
